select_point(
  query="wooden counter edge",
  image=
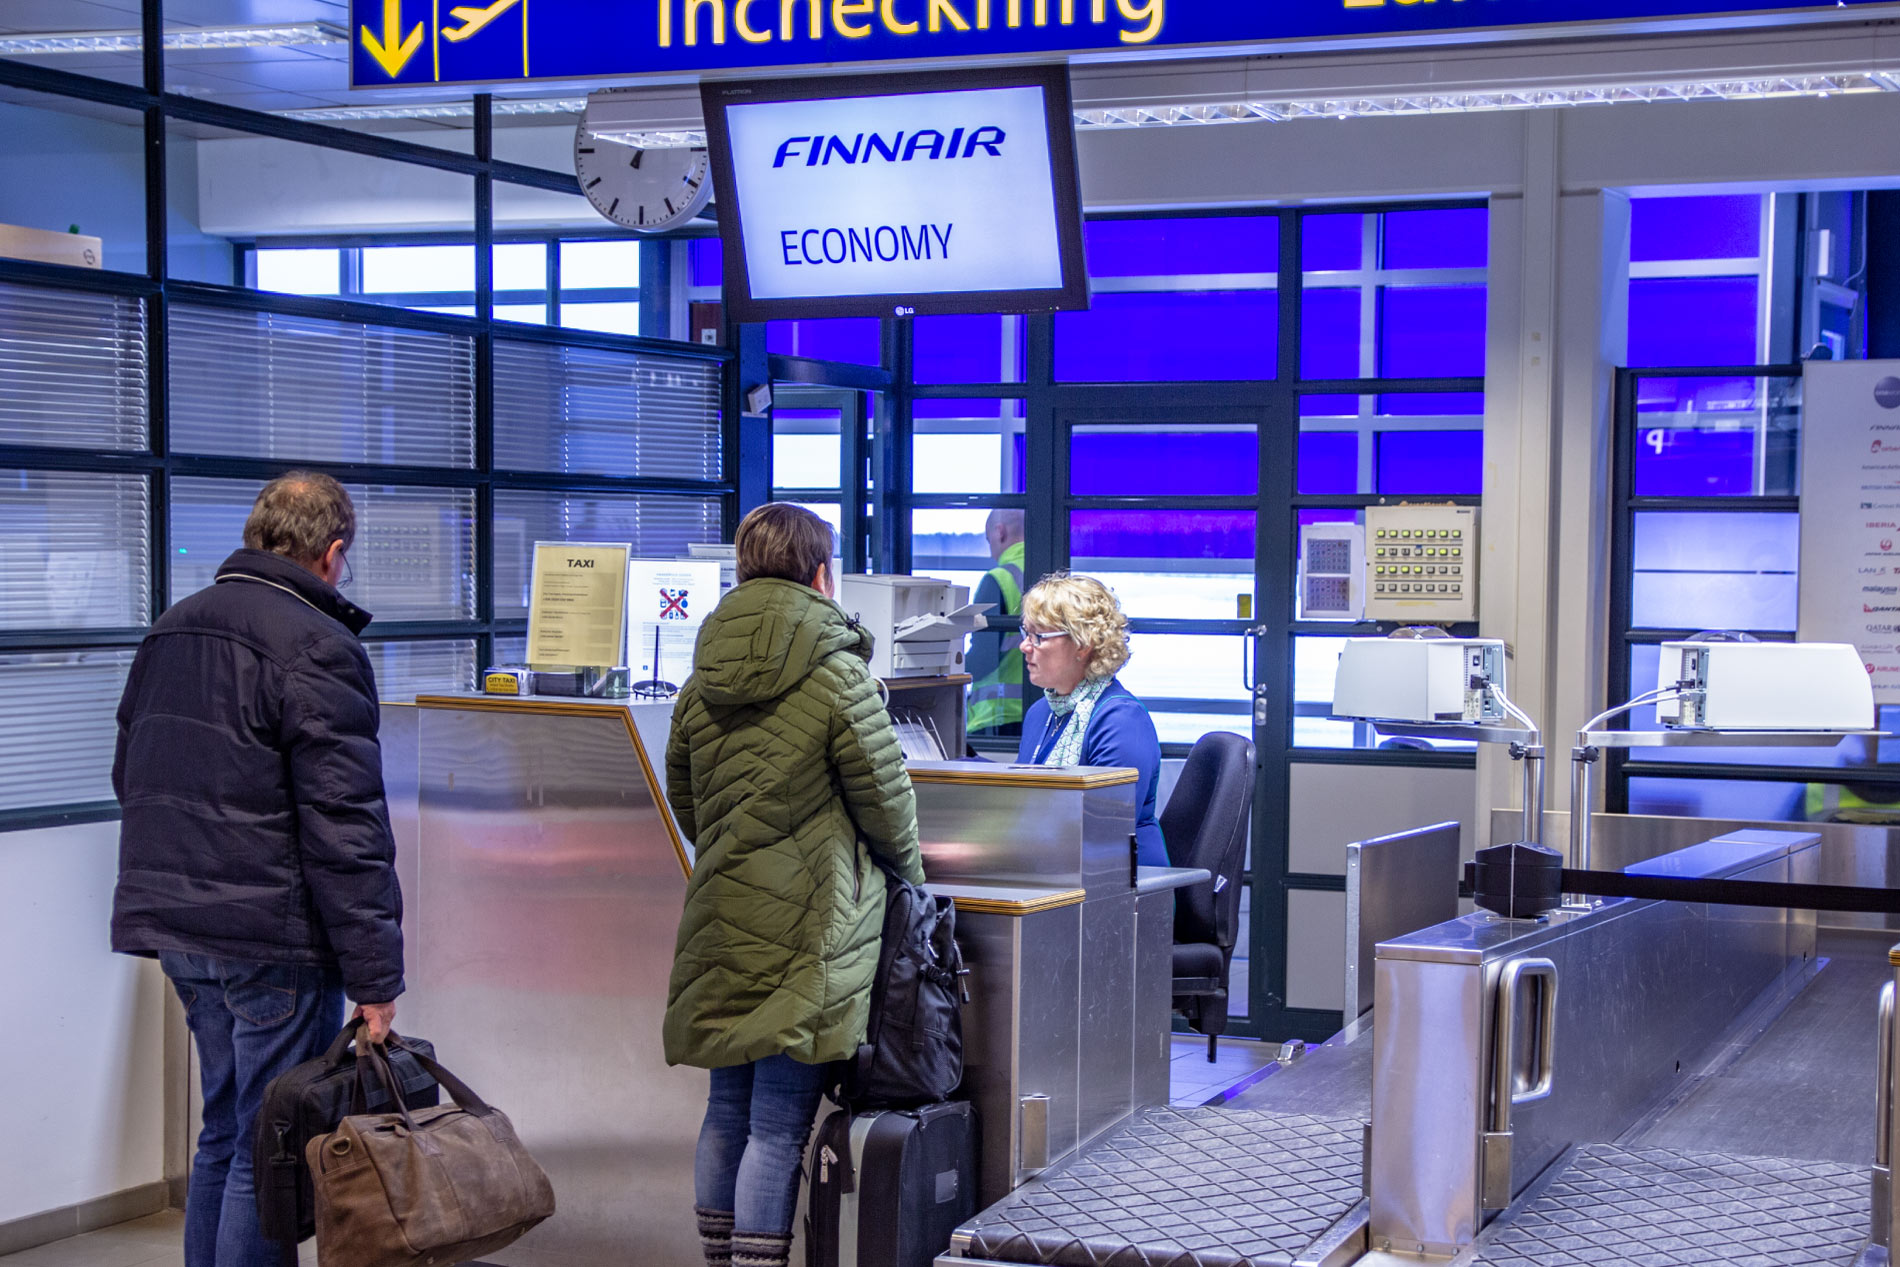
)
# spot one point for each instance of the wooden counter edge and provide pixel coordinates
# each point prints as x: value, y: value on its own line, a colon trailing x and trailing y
x: 1003, y: 906
x: 1064, y: 782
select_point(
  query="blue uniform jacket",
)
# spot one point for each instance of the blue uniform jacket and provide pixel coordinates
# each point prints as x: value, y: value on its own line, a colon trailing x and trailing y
x: 1120, y: 733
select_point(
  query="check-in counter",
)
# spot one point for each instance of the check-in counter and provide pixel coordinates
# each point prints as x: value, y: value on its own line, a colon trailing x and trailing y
x: 544, y: 878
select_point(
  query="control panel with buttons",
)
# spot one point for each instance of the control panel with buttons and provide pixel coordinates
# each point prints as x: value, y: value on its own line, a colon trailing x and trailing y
x: 1422, y: 563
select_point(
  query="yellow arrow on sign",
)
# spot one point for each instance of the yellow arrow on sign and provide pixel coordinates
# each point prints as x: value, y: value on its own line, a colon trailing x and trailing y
x: 392, y: 52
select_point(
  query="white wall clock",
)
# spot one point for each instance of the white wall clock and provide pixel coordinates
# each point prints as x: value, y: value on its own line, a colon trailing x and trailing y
x: 648, y: 190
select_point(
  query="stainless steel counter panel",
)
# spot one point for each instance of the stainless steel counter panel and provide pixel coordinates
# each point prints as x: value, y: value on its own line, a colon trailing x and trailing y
x: 1395, y: 885
x: 1645, y: 990
x: 1108, y: 1014
x: 1065, y: 827
x: 1154, y: 996
x: 1020, y: 1034
x: 541, y: 936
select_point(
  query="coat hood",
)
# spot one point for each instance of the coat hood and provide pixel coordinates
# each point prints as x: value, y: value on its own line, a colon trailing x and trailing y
x: 765, y: 637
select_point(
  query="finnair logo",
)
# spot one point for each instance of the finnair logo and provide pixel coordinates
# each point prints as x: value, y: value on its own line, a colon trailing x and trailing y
x: 822, y: 151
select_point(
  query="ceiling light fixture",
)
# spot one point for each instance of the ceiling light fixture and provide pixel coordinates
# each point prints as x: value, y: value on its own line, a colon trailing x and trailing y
x: 1089, y: 119
x: 1762, y: 89
x: 181, y: 38
x: 436, y: 110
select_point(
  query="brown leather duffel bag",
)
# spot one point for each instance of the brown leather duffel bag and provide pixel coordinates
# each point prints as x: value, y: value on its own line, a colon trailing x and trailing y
x: 430, y: 1187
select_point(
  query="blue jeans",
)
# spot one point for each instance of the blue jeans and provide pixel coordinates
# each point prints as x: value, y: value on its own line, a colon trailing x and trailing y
x: 752, y: 1144
x: 251, y: 1022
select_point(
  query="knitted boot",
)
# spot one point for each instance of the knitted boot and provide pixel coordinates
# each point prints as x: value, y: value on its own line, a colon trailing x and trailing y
x: 760, y: 1249
x: 715, y: 1235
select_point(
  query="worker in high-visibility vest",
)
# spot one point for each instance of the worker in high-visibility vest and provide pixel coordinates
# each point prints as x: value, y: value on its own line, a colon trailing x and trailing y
x: 996, y: 659
x: 1861, y: 803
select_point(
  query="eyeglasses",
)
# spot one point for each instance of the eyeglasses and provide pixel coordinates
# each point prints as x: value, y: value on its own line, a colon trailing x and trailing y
x: 348, y: 574
x: 1038, y: 639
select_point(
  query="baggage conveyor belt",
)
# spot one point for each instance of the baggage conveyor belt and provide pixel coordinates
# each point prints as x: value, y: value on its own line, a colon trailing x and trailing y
x: 1605, y: 1204
x: 1183, y: 1188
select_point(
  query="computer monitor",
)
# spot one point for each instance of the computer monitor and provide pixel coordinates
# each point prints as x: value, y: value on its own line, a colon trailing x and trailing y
x: 899, y: 194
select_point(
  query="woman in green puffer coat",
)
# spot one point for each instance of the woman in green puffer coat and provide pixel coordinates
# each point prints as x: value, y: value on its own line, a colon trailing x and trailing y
x: 784, y: 771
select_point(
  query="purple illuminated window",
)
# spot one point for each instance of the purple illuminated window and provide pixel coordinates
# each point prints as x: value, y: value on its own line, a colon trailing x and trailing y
x: 1169, y: 338
x: 1306, y: 517
x: 1449, y: 238
x: 1431, y: 331
x: 1329, y: 462
x: 708, y: 262
x: 1691, y: 462
x: 855, y: 340
x: 1329, y: 334
x: 1332, y: 242
x: 1186, y: 247
x: 1442, y: 463
x: 1161, y: 534
x: 1126, y: 462
x: 1692, y: 321
x: 968, y: 350
x: 1718, y: 227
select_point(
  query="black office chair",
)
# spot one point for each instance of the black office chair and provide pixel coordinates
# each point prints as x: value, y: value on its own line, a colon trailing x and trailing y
x: 1205, y: 824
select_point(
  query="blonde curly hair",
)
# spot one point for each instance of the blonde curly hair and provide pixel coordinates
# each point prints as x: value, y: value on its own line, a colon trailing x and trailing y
x: 1088, y: 612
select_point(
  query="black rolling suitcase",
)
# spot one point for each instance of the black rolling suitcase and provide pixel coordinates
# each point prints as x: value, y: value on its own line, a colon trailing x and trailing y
x: 888, y: 1189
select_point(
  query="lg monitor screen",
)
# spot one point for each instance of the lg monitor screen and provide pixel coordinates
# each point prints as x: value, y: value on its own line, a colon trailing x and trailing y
x: 945, y: 192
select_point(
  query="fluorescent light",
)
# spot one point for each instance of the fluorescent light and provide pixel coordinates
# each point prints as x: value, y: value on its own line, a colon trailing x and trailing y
x: 437, y: 110
x: 1098, y: 118
x: 1465, y: 102
x: 283, y: 35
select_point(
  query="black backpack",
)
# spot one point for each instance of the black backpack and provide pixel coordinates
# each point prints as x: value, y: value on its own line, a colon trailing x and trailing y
x: 913, y: 1048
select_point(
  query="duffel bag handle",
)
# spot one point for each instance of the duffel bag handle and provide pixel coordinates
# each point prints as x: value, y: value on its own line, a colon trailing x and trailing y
x: 378, y: 1060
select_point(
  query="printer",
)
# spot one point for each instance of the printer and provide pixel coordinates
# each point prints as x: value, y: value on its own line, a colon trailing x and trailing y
x: 919, y: 622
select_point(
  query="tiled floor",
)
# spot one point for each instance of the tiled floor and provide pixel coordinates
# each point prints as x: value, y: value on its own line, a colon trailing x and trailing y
x: 1237, y: 1061
x: 155, y: 1241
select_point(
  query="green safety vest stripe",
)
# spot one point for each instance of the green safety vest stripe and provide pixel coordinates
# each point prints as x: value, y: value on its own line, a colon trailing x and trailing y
x: 997, y: 698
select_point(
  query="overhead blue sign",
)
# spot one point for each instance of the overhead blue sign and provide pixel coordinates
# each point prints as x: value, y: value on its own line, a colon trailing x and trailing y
x: 436, y: 41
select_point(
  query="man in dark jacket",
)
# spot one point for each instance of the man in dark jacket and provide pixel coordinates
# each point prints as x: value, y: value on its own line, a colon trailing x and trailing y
x: 255, y: 857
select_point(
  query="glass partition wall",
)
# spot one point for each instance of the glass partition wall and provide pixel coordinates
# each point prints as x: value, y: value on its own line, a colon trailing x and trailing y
x: 458, y: 339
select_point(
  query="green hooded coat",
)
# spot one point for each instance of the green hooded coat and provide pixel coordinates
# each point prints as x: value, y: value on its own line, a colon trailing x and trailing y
x: 781, y: 761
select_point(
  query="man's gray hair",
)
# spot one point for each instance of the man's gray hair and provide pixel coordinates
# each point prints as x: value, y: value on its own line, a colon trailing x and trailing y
x: 298, y: 515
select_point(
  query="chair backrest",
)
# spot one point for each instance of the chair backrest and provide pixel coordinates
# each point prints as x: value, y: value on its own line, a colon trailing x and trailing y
x: 1205, y: 824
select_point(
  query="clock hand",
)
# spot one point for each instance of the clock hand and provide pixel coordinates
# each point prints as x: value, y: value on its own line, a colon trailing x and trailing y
x: 475, y: 17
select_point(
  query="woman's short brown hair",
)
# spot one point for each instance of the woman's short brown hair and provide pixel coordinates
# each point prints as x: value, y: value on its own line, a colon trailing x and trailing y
x: 1088, y: 612
x: 784, y: 541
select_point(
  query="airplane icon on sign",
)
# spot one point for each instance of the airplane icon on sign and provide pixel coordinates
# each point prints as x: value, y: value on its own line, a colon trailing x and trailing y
x: 475, y: 17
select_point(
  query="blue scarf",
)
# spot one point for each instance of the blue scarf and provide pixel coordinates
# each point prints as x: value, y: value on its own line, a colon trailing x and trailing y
x: 1067, y: 749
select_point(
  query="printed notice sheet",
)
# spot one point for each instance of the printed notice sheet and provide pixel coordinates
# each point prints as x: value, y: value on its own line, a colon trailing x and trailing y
x: 577, y: 608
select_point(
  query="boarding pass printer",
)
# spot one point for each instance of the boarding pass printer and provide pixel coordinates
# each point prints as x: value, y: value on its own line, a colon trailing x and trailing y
x: 919, y: 622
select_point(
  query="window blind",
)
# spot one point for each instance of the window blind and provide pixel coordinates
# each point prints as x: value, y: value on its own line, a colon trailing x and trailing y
x: 407, y: 669
x: 656, y: 525
x: 58, y: 730
x: 72, y: 369
x: 264, y: 385
x: 588, y: 410
x: 75, y: 550
x: 413, y: 558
